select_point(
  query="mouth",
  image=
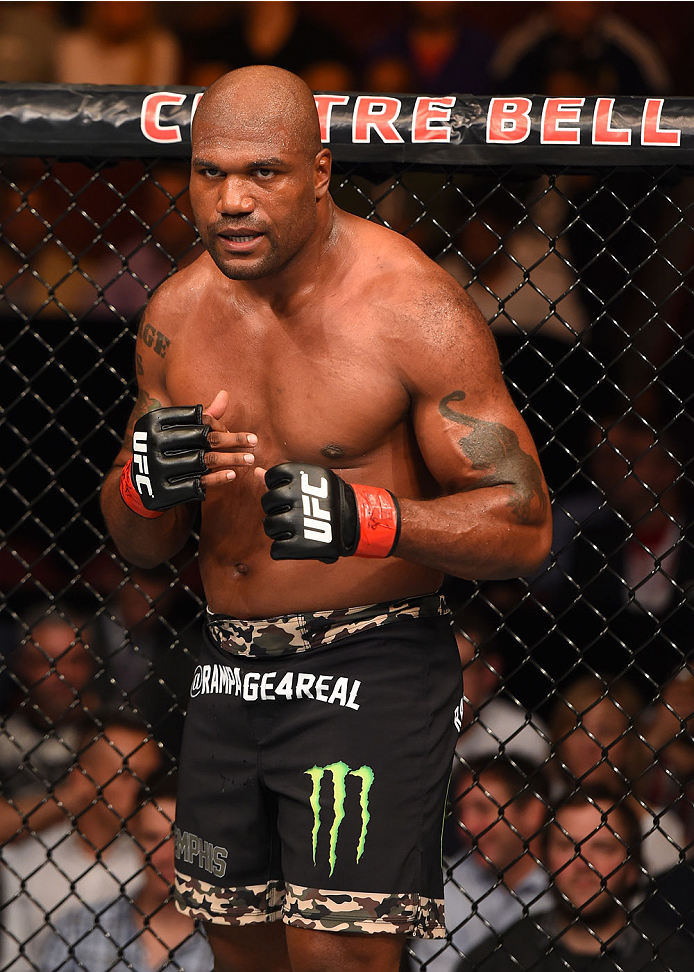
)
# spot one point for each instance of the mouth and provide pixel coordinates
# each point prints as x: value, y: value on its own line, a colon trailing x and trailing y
x: 240, y: 241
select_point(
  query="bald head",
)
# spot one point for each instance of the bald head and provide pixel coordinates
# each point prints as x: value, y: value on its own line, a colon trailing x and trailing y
x: 259, y: 179
x: 258, y: 99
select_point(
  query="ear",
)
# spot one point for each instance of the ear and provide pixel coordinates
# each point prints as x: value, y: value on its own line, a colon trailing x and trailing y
x: 322, y: 168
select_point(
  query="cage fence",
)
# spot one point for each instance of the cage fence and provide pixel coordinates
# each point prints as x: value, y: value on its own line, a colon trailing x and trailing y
x: 579, y: 682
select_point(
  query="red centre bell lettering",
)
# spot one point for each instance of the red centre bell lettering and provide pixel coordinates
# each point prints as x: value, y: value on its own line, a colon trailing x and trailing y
x: 324, y: 104
x: 508, y: 120
x: 557, y: 113
x: 150, y: 115
x: 431, y: 119
x: 374, y: 118
x: 377, y: 115
x: 603, y: 131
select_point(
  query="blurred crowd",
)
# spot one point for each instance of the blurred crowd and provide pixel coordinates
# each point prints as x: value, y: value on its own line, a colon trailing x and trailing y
x: 435, y: 47
x: 568, y: 838
x: 572, y: 799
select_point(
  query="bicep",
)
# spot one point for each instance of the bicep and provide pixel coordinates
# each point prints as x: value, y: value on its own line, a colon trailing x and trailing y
x: 468, y: 429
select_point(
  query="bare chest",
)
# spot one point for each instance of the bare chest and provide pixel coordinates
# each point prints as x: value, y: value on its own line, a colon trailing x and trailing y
x: 327, y: 393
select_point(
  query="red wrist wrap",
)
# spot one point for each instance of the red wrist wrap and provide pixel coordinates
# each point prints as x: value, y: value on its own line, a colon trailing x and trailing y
x: 379, y: 521
x: 131, y: 497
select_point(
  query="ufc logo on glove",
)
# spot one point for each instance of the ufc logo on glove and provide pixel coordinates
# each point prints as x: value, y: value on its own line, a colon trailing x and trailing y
x: 316, y: 519
x: 169, y: 446
x: 141, y: 478
x: 329, y: 520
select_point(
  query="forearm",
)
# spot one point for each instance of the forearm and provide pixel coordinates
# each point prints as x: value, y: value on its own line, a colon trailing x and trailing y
x: 144, y: 542
x: 476, y: 535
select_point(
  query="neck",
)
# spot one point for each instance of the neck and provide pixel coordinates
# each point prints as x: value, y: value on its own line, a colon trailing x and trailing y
x: 585, y: 939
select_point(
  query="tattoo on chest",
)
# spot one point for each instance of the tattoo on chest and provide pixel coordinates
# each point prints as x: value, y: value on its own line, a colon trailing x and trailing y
x: 154, y: 339
x: 495, y: 450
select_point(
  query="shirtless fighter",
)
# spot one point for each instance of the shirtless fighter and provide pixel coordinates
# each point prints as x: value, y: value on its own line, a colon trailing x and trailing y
x: 356, y: 442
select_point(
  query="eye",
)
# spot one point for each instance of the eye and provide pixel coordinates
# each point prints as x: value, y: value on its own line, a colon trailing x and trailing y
x: 209, y: 172
x: 264, y: 174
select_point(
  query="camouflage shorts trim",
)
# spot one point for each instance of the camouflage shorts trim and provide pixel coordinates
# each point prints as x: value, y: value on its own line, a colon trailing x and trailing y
x: 292, y: 633
x: 230, y: 906
x: 412, y: 915
x: 346, y: 911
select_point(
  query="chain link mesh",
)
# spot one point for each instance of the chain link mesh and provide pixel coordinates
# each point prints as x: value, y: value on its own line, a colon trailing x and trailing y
x: 577, y: 680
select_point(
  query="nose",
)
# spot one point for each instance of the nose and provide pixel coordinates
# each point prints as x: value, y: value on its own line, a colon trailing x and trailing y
x: 235, y: 198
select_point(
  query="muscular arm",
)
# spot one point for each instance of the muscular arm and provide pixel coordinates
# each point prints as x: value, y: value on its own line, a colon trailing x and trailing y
x: 144, y: 542
x: 492, y: 519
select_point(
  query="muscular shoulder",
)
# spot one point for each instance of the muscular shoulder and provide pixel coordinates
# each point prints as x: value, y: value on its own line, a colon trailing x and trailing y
x: 422, y: 311
x: 396, y: 274
x: 177, y: 299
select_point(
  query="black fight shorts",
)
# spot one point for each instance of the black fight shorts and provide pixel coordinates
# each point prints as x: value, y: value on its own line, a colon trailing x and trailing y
x: 314, y: 769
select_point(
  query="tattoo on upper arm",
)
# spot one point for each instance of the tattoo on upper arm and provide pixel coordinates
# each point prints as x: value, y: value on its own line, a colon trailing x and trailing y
x: 154, y: 339
x: 494, y: 449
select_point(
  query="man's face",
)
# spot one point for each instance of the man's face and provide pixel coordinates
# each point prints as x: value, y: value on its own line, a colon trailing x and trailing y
x: 588, y: 861
x: 494, y: 823
x: 253, y: 193
x: 603, y: 726
x: 55, y: 666
x: 119, y: 762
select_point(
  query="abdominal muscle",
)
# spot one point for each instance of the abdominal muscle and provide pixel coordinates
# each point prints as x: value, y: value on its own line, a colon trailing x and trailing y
x: 241, y: 579
x: 254, y: 586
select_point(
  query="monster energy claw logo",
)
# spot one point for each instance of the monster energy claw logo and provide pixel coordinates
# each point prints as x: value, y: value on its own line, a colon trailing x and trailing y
x: 339, y: 772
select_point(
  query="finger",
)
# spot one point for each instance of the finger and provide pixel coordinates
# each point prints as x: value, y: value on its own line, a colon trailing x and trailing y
x: 260, y: 473
x: 221, y: 478
x: 218, y: 406
x: 232, y: 440
x: 228, y: 460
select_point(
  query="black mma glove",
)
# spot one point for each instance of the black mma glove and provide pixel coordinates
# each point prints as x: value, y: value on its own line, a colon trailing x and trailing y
x: 313, y: 514
x: 169, y: 445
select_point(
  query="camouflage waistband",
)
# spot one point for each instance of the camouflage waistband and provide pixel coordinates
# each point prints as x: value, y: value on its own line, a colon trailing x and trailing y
x: 413, y: 915
x: 292, y: 633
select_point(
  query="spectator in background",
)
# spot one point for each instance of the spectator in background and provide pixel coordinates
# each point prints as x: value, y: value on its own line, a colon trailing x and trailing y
x: 500, y: 809
x: 491, y: 722
x: 277, y: 33
x: 669, y: 732
x: 578, y: 48
x: 583, y: 49
x: 54, y: 670
x: 46, y: 873
x: 591, y: 851
x: 163, y: 242
x: 118, y: 43
x: 620, y: 541
x: 597, y: 744
x: 27, y: 41
x: 146, y: 932
x: 436, y: 51
x: 36, y: 265
x: 147, y: 652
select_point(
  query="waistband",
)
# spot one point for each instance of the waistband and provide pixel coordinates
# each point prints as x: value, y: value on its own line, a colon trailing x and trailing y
x: 291, y: 633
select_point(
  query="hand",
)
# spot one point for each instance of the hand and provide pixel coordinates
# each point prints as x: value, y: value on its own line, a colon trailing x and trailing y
x: 173, y: 448
x: 313, y: 514
x: 224, y: 453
